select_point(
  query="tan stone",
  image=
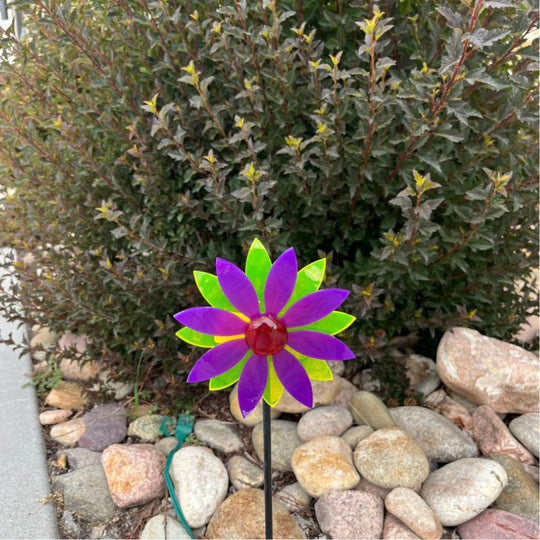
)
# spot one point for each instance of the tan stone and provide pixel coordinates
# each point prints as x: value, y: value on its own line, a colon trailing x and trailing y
x: 323, y: 464
x: 441, y: 403
x: 68, y: 433
x: 323, y: 393
x: 255, y: 417
x: 66, y: 395
x: 54, y: 416
x: 75, y: 368
x: 394, y: 529
x: 488, y: 371
x: 242, y: 516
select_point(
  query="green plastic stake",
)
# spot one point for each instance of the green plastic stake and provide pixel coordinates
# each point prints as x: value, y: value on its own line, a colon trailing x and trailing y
x: 184, y: 426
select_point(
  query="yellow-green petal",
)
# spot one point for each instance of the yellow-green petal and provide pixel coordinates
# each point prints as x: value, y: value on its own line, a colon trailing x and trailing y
x: 274, y: 388
x: 317, y: 370
x: 209, y: 286
x: 229, y: 377
x: 308, y: 281
x: 258, y: 265
x: 196, y: 338
x: 332, y: 324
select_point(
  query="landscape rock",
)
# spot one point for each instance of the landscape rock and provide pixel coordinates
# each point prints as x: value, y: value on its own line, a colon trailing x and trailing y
x: 422, y: 373
x: 81, y: 457
x: 163, y: 527
x: 74, y: 368
x: 368, y: 487
x: 532, y: 471
x: 369, y: 409
x: 66, y: 395
x: 355, y: 434
x: 134, y: 473
x: 461, y: 490
x: 243, y: 473
x: 285, y: 440
x: 520, y: 496
x: 68, y: 433
x: 218, y: 435
x: 242, y: 516
x: 497, y: 524
x: 441, y: 403
x: 525, y: 429
x: 323, y: 394
x: 350, y: 514
x: 166, y: 445
x: 54, y: 416
x: 413, y: 511
x: 105, y: 425
x: 394, y: 529
x: 324, y: 464
x: 200, y: 481
x: 68, y: 524
x: 390, y: 458
x: 325, y: 420
x: 254, y: 417
x: 494, y: 438
x: 43, y: 338
x: 338, y: 368
x: 118, y: 388
x: 346, y: 392
x: 146, y: 428
x: 85, y: 492
x: 438, y: 437
x: 488, y: 371
x: 294, y: 497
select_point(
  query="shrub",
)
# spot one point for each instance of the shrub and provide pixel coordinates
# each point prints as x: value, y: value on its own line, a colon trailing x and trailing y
x: 142, y: 139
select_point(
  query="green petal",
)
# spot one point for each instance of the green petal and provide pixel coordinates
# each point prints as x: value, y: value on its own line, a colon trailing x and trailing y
x: 309, y: 280
x: 332, y: 324
x: 274, y: 388
x: 209, y: 286
x: 196, y: 338
x: 229, y: 377
x: 317, y: 370
x: 258, y: 265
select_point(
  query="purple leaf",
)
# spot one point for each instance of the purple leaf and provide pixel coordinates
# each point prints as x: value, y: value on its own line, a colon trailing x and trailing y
x: 280, y: 282
x: 237, y: 288
x: 213, y: 321
x: 294, y: 378
x: 218, y: 360
x: 318, y: 345
x: 314, y: 307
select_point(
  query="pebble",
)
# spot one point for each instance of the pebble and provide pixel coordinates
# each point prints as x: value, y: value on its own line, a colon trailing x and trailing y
x: 346, y: 392
x: 159, y: 527
x: 422, y: 374
x: 85, y: 492
x: 493, y: 437
x: 294, y: 497
x: 325, y: 420
x: 355, y: 434
x: 218, y: 435
x: 497, y: 524
x: 324, y: 464
x: 66, y: 395
x: 243, y: 473
x: 394, y: 529
x: 42, y: 337
x: 390, y: 458
x: 201, y: 482
x: 285, y: 440
x: 146, y: 428
x: 81, y: 457
x: 323, y: 394
x: 369, y: 409
x: 69, y: 525
x: 440, y: 439
x: 350, y: 514
x: 488, y: 371
x: 105, y: 425
x: 134, y: 473
x: 252, y: 419
x: 526, y: 429
x: 520, y: 496
x: 242, y: 516
x: 461, y: 490
x: 413, y: 511
x: 68, y: 433
x: 54, y: 416
x: 441, y: 403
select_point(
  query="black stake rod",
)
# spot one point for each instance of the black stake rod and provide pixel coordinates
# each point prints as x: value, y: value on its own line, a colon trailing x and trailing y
x: 267, y: 438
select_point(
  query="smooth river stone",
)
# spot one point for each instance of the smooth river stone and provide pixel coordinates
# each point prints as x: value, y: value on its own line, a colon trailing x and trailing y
x: 440, y: 439
x: 254, y: 417
x: 461, y: 490
x: 441, y: 403
x: 390, y: 458
x: 525, y: 429
x: 498, y: 525
x: 325, y: 420
x: 422, y: 374
x: 394, y: 529
x: 285, y: 440
x: 488, y: 371
x: 369, y: 409
x: 244, y: 474
x: 355, y: 434
x: 218, y: 435
x: 324, y: 392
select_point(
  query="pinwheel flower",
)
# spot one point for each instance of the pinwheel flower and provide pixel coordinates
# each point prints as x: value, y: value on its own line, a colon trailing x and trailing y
x: 269, y: 328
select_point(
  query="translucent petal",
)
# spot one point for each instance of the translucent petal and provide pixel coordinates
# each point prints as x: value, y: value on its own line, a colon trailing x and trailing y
x: 212, y: 321
x: 218, y: 360
x: 319, y: 345
x: 317, y: 370
x: 237, y: 288
x: 229, y: 377
x: 208, y: 284
x: 309, y: 280
x: 280, y: 282
x: 196, y: 338
x: 274, y: 388
x: 314, y: 307
x: 332, y: 324
x: 293, y: 376
x: 252, y: 383
x: 258, y: 265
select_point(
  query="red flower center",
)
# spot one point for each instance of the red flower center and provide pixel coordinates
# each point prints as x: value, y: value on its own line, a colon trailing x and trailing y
x: 266, y: 335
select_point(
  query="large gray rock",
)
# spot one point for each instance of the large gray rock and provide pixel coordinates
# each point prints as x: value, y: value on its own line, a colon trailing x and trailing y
x: 461, y: 490
x: 285, y: 440
x: 105, y: 425
x: 85, y: 492
x: 325, y: 420
x: 81, y: 457
x: 526, y: 429
x: 440, y: 439
x: 488, y: 371
x: 218, y: 435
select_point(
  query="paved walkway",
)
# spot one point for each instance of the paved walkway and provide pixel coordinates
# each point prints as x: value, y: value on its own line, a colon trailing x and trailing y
x: 23, y: 467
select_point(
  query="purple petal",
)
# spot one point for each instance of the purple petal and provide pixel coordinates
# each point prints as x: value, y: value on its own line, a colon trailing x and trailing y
x: 237, y: 288
x: 252, y: 383
x: 280, y: 282
x: 319, y: 345
x: 294, y: 378
x: 313, y: 307
x: 213, y: 321
x: 218, y: 360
